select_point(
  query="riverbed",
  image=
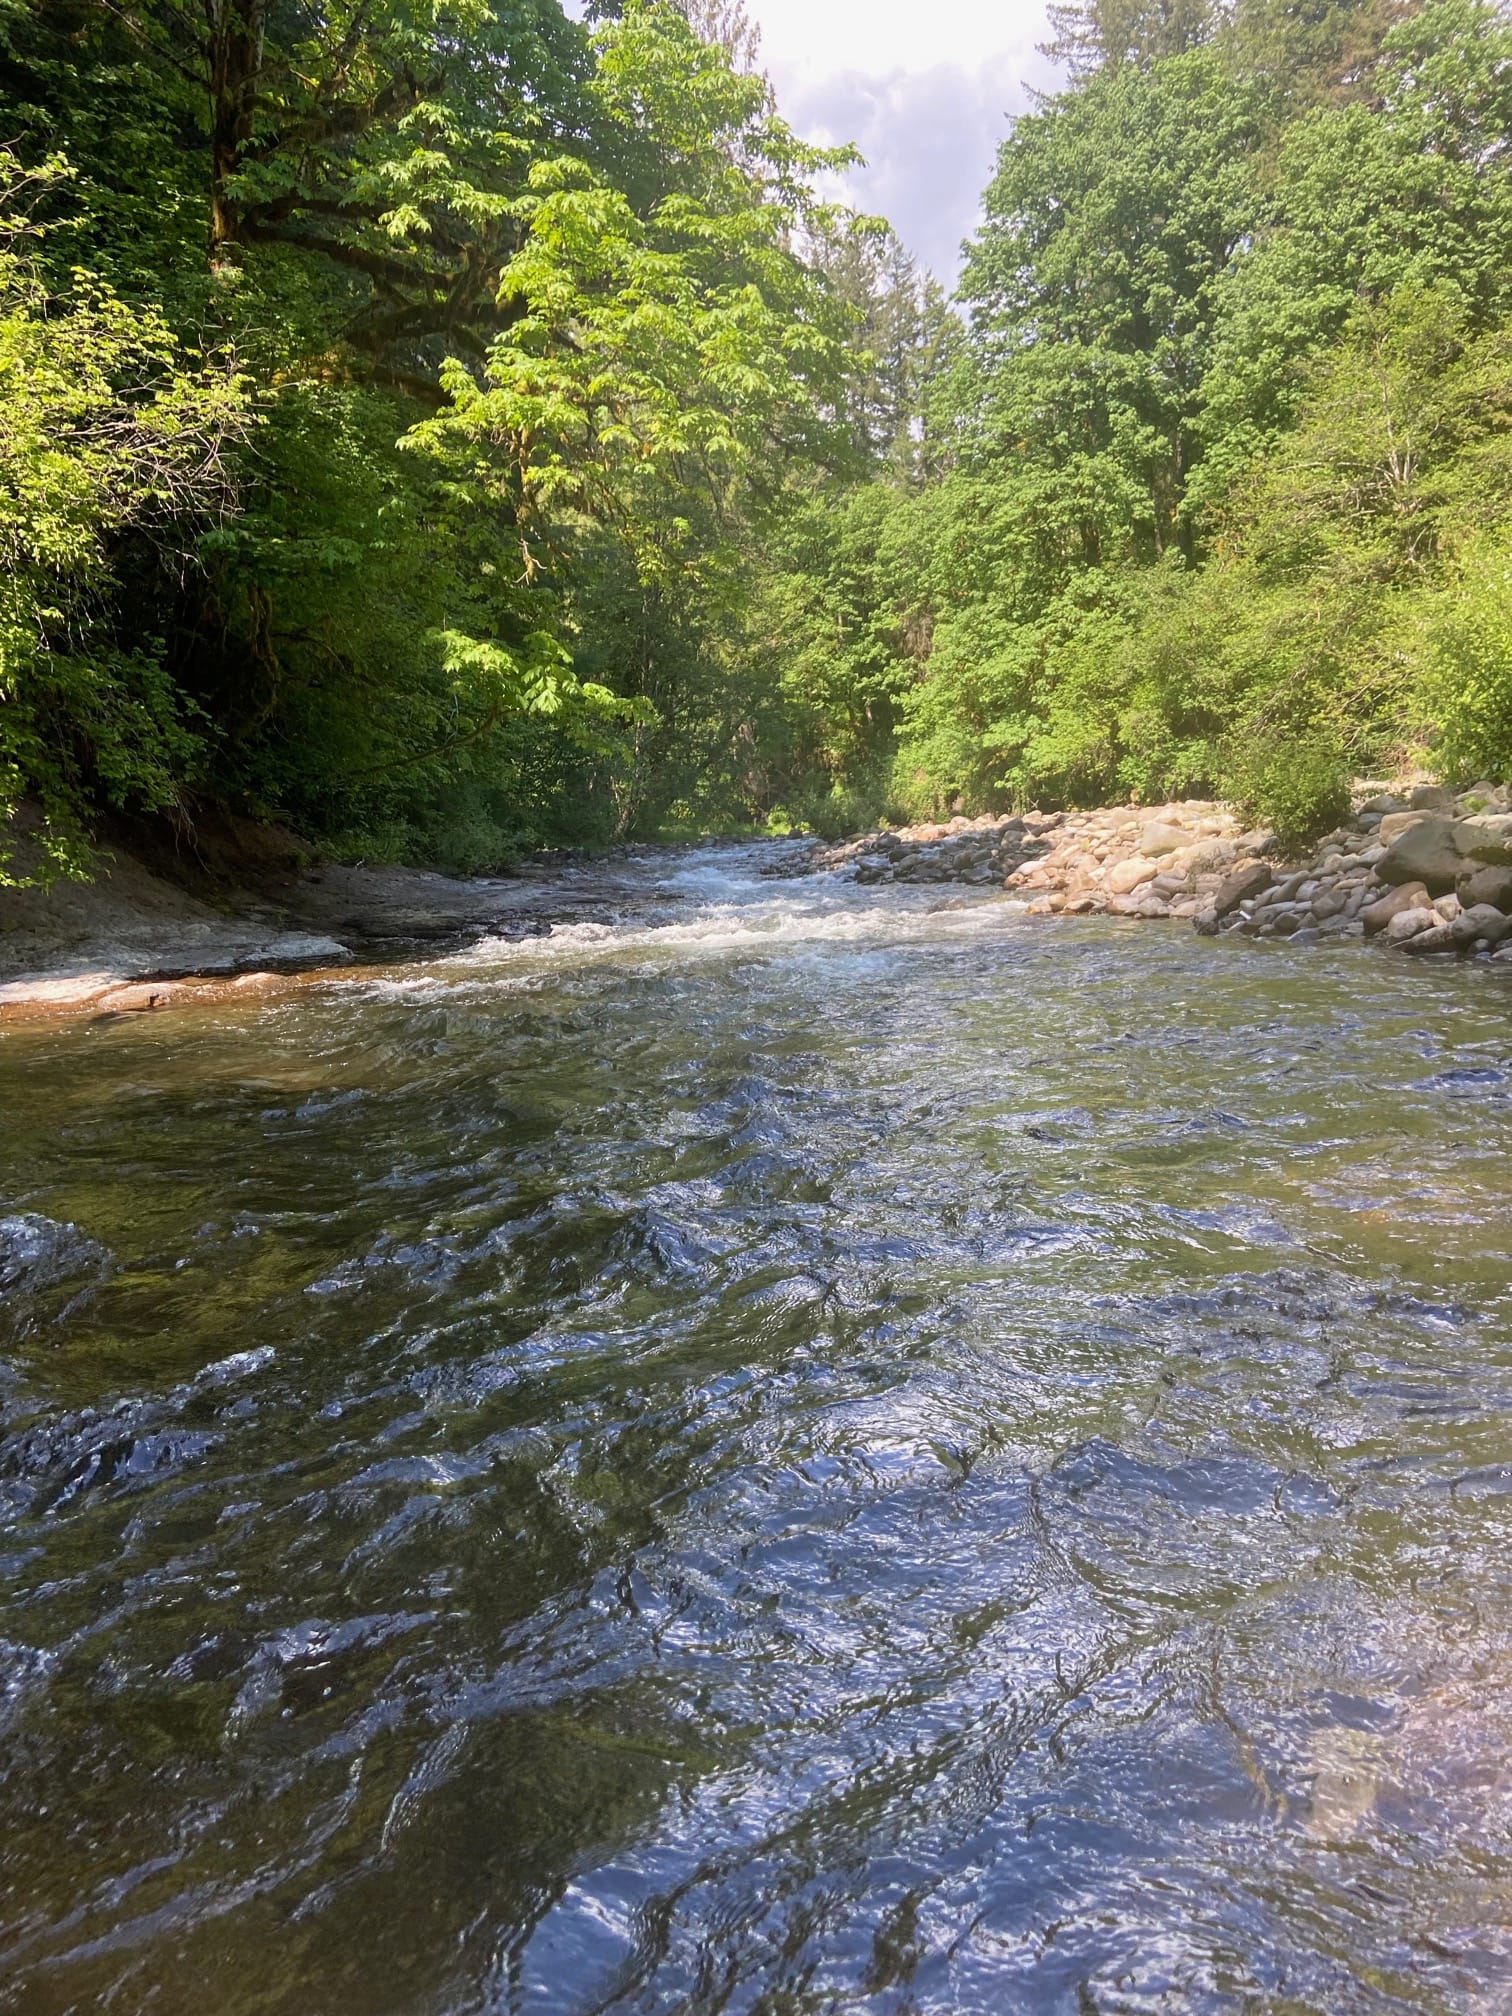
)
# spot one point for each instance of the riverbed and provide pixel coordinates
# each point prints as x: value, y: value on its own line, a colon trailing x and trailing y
x: 839, y: 1450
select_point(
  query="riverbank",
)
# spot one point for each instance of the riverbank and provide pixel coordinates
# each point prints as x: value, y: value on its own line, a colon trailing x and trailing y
x: 1427, y: 871
x: 137, y: 937
x: 1424, y: 871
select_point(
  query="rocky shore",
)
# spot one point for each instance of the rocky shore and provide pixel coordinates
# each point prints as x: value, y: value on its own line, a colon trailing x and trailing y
x: 1425, y: 871
x: 136, y: 937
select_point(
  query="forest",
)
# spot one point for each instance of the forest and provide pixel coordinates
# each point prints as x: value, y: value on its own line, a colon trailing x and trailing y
x: 450, y: 427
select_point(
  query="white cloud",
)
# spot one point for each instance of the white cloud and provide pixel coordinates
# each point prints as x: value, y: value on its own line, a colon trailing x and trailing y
x: 823, y: 37
x: 925, y: 91
x: 930, y: 138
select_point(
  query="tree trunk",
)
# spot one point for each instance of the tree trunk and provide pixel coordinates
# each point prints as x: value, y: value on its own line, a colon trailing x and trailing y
x: 236, y: 59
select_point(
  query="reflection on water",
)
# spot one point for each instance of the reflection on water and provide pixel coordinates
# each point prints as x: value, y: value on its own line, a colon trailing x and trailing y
x: 846, y: 1452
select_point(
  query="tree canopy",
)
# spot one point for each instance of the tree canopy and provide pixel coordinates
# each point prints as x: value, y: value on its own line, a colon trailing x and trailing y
x: 451, y: 428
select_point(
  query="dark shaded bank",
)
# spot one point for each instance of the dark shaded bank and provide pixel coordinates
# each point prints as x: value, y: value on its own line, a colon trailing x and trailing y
x: 246, y: 905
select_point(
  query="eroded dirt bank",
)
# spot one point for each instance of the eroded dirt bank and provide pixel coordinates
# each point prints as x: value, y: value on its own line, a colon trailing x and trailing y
x: 135, y: 936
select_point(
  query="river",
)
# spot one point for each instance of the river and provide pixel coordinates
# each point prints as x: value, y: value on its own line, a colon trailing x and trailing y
x: 838, y: 1451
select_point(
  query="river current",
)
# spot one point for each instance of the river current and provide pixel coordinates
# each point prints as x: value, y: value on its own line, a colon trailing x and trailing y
x: 839, y: 1450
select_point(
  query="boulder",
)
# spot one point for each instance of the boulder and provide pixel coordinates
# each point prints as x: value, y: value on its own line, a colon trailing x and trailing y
x: 1413, y: 923
x: 1482, y: 920
x: 1376, y: 916
x: 1205, y: 923
x: 1159, y: 838
x: 1440, y: 939
x: 1479, y: 886
x: 1431, y: 798
x: 1125, y: 876
x: 1396, y: 823
x: 1249, y: 879
x: 1487, y: 838
x: 1430, y: 852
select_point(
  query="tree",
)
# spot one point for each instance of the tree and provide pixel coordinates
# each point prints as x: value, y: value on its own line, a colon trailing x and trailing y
x: 108, y: 427
x: 1090, y: 35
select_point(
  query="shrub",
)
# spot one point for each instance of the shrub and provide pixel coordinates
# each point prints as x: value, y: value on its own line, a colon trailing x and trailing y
x: 1297, y: 786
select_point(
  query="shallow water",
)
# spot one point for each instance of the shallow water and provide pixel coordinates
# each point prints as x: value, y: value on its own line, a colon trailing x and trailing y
x: 853, y: 1451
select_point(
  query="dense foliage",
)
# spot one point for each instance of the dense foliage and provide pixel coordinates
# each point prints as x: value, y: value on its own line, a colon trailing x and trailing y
x: 448, y: 426
x: 1229, y: 503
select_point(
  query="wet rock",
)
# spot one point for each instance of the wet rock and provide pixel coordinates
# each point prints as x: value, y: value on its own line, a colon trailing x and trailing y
x: 1440, y: 938
x: 1482, y: 923
x: 1249, y: 879
x: 38, y: 1252
x: 136, y: 1000
x: 1206, y: 923
x: 1408, y: 924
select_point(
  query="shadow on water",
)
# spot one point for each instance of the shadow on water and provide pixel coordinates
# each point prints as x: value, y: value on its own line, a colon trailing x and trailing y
x: 847, y: 1452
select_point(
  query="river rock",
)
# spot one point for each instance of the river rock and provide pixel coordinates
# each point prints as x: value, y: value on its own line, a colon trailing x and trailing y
x: 1440, y: 938
x: 1481, y: 921
x: 1395, y: 824
x: 1430, y: 852
x: 136, y: 1000
x: 1126, y: 876
x: 1249, y: 879
x: 1412, y: 923
x: 1160, y: 838
x: 1487, y: 838
x: 1431, y: 798
x: 1486, y: 885
x: 1411, y: 896
x: 1205, y: 923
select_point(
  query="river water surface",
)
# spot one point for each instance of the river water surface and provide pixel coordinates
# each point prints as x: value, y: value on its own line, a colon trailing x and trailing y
x: 846, y: 1451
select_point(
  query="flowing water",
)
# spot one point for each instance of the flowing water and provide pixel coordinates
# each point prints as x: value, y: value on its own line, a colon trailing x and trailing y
x: 852, y: 1451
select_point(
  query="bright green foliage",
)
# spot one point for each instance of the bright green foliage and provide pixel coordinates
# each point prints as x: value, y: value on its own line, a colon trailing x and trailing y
x: 656, y: 351
x: 107, y: 429
x: 530, y: 359
x: 1470, y: 664
x: 581, y: 471
x: 1232, y: 476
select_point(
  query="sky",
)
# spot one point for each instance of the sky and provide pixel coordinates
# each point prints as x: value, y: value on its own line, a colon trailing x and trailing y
x: 924, y: 88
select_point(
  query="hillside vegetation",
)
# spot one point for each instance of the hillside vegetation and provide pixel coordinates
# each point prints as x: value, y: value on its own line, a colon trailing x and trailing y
x: 453, y: 428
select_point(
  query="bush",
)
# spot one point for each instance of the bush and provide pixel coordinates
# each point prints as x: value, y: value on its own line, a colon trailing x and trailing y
x: 1299, y: 787
x: 1470, y: 669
